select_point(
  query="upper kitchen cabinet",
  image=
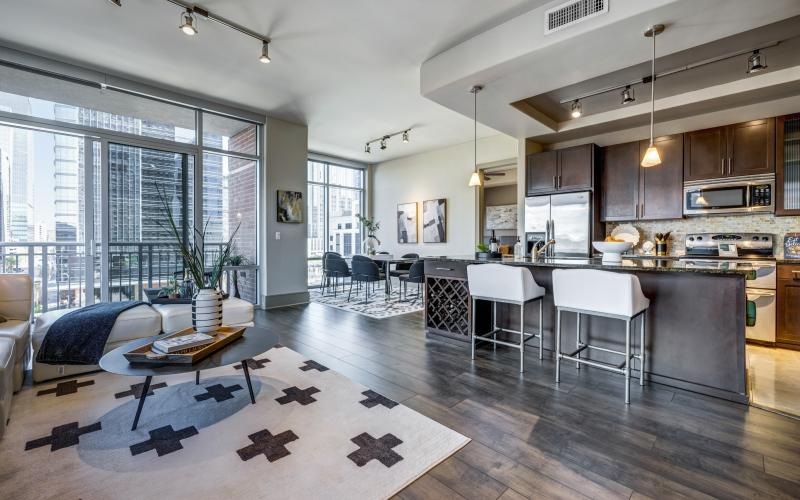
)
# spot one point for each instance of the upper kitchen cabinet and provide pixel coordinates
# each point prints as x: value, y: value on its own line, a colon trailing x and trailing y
x: 661, y: 187
x: 631, y: 192
x: 735, y: 150
x: 787, y: 178
x: 541, y: 172
x: 563, y: 170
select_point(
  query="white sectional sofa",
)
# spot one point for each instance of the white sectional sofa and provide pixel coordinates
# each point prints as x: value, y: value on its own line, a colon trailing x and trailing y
x: 136, y: 323
x: 16, y: 303
x: 6, y: 380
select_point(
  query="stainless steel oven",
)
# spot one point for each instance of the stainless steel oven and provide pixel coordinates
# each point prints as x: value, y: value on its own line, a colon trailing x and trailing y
x: 749, y: 194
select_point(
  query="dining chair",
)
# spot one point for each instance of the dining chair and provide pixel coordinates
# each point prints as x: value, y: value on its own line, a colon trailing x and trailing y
x: 325, y: 277
x: 337, y: 268
x: 364, y: 270
x: 415, y: 274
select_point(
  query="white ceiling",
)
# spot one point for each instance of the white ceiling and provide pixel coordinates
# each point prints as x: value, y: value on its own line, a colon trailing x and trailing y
x: 347, y: 68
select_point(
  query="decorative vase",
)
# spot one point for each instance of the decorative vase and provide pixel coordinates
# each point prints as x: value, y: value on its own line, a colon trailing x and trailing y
x: 371, y: 245
x: 207, y: 310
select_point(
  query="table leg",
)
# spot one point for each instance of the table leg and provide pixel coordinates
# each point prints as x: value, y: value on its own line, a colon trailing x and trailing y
x: 246, y: 371
x: 145, y: 390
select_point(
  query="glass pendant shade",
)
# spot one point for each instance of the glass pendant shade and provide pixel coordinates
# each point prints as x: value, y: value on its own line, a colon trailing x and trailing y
x: 651, y: 157
x: 475, y: 180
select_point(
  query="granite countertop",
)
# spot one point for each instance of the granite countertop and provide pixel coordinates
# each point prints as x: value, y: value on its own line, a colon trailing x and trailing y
x: 627, y: 264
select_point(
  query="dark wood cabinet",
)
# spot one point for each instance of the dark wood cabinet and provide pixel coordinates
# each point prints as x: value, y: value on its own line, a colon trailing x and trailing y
x: 787, y: 165
x: 661, y: 187
x: 541, y: 171
x: 569, y: 169
x: 631, y: 192
x: 620, y: 192
x: 704, y: 154
x: 746, y: 148
x: 788, y: 305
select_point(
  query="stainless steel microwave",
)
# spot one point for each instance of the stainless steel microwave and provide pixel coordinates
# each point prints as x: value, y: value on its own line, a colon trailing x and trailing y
x: 750, y: 194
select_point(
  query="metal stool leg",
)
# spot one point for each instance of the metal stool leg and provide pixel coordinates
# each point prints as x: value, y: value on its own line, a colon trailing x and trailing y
x: 541, y: 328
x: 494, y: 325
x: 627, y: 361
x: 578, y: 341
x: 521, y: 338
x: 558, y: 345
x: 472, y: 327
x: 642, y: 349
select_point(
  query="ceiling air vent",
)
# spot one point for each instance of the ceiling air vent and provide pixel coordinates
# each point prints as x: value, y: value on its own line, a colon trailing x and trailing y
x: 572, y: 12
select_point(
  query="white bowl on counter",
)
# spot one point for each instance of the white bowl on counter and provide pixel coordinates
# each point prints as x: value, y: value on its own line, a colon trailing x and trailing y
x: 612, y: 250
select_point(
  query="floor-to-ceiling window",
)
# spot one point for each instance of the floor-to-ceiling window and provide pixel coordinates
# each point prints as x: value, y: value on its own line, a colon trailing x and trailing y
x: 335, y: 199
x: 83, y: 170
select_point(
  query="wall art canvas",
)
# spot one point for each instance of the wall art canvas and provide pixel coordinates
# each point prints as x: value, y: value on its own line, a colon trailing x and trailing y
x: 434, y: 221
x: 407, y: 222
x: 290, y: 206
x: 501, y: 217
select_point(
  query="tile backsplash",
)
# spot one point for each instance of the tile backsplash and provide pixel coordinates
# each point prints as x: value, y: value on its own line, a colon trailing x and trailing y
x: 756, y: 223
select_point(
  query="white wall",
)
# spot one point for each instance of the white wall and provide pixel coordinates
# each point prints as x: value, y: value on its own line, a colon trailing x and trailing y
x: 443, y: 173
x: 284, y: 269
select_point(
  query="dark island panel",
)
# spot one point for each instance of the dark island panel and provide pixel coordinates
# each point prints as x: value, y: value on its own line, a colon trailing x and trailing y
x: 695, y: 324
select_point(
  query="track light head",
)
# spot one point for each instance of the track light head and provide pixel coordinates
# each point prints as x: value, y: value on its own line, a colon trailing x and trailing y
x: 756, y: 62
x: 383, y: 143
x: 118, y: 3
x: 367, y: 149
x: 188, y: 26
x: 627, y: 95
x: 577, y: 109
x: 265, y: 52
x: 405, y: 136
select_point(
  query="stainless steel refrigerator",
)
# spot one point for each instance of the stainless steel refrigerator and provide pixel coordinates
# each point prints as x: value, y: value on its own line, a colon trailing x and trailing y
x: 566, y: 218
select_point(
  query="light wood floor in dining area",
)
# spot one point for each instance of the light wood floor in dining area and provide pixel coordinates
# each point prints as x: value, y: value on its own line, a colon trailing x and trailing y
x: 531, y: 439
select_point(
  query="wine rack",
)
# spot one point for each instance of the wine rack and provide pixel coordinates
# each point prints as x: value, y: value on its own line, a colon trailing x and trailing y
x: 448, y: 307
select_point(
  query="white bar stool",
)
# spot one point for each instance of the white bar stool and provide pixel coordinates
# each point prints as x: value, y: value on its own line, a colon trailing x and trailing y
x: 600, y: 293
x: 508, y: 285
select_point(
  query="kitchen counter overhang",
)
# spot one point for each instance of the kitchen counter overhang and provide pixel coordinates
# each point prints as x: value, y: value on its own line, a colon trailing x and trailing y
x: 695, y: 323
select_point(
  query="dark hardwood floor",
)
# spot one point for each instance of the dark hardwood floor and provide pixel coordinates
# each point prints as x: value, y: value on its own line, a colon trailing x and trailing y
x: 533, y: 439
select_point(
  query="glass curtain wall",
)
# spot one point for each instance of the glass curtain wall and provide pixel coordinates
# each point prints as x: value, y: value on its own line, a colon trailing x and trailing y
x: 81, y: 168
x: 335, y: 199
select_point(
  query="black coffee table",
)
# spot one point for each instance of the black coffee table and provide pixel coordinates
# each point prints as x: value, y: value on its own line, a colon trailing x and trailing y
x: 254, y: 342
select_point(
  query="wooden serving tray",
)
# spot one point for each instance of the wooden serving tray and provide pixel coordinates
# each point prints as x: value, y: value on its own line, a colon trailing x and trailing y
x: 224, y: 336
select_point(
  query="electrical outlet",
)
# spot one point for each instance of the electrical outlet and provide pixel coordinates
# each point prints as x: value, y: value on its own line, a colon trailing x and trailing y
x: 277, y: 235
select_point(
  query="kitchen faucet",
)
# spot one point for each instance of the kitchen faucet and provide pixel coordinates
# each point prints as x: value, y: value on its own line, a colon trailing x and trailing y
x: 540, y: 248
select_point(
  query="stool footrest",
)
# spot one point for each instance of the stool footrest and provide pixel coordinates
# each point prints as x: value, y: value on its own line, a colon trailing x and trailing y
x: 596, y: 364
x: 582, y: 348
x: 483, y: 337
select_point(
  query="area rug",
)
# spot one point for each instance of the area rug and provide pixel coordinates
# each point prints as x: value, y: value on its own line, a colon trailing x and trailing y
x: 312, y: 433
x: 378, y: 307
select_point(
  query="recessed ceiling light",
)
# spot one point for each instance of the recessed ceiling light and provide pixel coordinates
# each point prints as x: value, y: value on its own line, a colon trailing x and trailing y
x: 188, y: 26
x: 577, y: 109
x: 265, y: 53
x: 627, y: 95
x: 756, y: 62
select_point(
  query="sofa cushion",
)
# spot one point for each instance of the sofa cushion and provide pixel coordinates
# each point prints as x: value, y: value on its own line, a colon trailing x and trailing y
x: 136, y: 323
x: 18, y: 332
x: 176, y: 317
x: 16, y: 296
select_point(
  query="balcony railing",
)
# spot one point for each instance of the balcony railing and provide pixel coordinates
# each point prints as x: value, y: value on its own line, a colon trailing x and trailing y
x: 59, y: 271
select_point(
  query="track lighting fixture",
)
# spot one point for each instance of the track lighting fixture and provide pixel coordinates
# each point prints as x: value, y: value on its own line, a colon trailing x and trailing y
x: 756, y: 62
x: 627, y: 95
x: 384, y: 140
x: 577, y: 109
x: 265, y: 52
x: 188, y: 26
x: 118, y: 3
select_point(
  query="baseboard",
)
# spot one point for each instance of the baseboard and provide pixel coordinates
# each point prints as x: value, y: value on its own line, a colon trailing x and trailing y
x: 285, y: 300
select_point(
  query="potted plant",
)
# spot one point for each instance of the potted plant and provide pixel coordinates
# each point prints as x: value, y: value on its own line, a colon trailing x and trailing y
x: 371, y: 226
x: 483, y: 251
x: 207, y: 299
x: 172, y: 290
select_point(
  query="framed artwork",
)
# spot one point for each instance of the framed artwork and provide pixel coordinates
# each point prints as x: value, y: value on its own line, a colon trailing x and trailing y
x: 290, y: 206
x: 434, y: 221
x: 407, y: 222
x: 501, y: 217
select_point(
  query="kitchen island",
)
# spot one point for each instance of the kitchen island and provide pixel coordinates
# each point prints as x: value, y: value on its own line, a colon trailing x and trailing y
x: 695, y: 323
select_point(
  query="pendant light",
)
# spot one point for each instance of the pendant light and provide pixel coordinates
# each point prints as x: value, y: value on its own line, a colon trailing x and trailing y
x: 475, y: 178
x: 651, y: 156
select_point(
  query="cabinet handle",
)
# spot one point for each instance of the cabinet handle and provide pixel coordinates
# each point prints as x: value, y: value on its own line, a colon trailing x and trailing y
x: 729, y: 166
x: 554, y: 182
x: 637, y: 211
x: 722, y: 169
x: 559, y: 182
x: 444, y: 269
x: 796, y: 275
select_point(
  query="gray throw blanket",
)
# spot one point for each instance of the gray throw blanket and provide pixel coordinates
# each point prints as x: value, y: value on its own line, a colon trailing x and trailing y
x: 79, y: 337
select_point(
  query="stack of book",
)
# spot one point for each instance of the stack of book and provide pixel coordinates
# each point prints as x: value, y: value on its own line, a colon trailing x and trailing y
x: 182, y: 344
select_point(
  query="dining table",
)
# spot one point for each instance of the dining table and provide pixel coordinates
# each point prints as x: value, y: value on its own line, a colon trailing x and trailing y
x: 385, y: 261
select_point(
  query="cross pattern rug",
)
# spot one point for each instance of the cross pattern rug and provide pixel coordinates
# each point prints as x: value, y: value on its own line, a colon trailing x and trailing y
x: 312, y: 433
x: 378, y: 306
